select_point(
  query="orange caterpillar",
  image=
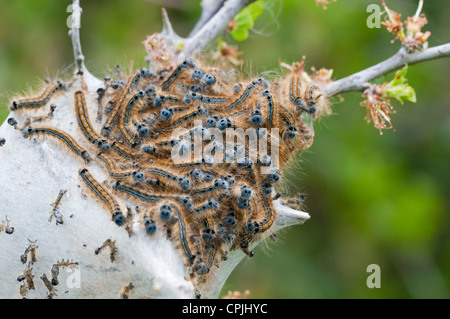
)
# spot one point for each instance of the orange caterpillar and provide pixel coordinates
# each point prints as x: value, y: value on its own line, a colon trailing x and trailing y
x: 205, y: 154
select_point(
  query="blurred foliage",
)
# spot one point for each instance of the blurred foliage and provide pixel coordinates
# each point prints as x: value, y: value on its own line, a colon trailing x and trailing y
x: 373, y: 199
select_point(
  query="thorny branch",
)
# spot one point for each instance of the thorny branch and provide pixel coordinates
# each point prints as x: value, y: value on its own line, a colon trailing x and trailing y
x: 356, y: 82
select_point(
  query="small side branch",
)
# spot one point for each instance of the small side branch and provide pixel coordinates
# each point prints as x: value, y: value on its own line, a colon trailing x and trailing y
x: 75, y: 35
x: 356, y: 82
x: 213, y: 27
x: 419, y: 9
x: 167, y: 25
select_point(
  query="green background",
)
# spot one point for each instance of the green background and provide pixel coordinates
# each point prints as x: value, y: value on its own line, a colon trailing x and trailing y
x: 373, y: 199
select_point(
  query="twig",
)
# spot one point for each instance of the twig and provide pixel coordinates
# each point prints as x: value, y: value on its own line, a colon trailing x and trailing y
x: 167, y: 25
x: 355, y: 82
x: 419, y: 9
x: 75, y: 35
x: 212, y: 28
x: 209, y: 9
x: 387, y: 10
x: 88, y: 81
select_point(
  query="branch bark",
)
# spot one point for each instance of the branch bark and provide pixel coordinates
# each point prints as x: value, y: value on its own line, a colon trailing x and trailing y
x: 87, y: 79
x: 74, y: 33
x: 212, y: 28
x: 209, y: 9
x: 355, y: 82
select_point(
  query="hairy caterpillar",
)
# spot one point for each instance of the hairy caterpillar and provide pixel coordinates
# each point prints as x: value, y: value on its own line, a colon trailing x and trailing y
x: 85, y: 124
x: 62, y: 136
x: 40, y: 100
x: 101, y: 193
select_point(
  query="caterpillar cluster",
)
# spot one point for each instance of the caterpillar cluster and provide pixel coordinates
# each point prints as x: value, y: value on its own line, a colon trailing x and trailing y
x: 186, y: 171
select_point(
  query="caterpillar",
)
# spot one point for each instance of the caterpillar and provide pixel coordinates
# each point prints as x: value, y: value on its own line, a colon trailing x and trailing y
x: 85, y: 124
x: 185, y: 64
x: 147, y: 196
x: 40, y: 100
x: 126, y: 117
x: 269, y: 218
x: 131, y: 83
x: 101, y: 193
x: 218, y: 186
x: 247, y: 92
x: 204, y: 269
x: 200, y: 111
x: 182, y: 181
x: 124, y: 152
x: 192, y: 96
x: 271, y: 108
x: 209, y: 224
x: 289, y: 122
x: 183, y: 236
x: 110, y: 166
x: 209, y: 204
x: 62, y: 136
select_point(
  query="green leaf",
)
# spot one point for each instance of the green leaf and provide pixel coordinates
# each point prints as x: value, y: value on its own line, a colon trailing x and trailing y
x: 245, y: 20
x: 399, y: 89
x: 240, y: 35
x: 255, y: 9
